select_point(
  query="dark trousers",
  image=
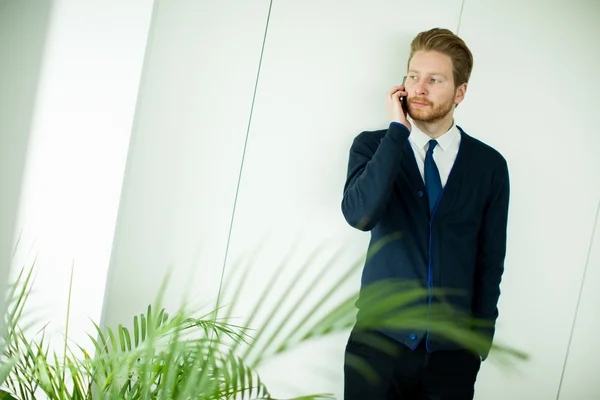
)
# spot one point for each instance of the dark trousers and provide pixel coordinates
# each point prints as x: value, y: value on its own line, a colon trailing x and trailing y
x: 397, y: 372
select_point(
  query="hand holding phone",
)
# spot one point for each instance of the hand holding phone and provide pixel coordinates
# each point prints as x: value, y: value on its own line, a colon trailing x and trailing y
x: 397, y: 106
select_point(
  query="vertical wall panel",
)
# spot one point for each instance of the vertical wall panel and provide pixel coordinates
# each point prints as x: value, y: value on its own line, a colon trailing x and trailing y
x: 531, y: 97
x: 185, y: 155
x: 326, y: 70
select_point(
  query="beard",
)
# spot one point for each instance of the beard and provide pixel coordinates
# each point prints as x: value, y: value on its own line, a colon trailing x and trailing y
x: 432, y: 113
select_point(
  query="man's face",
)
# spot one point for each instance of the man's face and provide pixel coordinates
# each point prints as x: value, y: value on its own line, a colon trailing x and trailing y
x: 430, y: 86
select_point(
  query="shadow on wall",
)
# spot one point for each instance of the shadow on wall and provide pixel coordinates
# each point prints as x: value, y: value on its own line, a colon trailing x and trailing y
x: 23, y: 32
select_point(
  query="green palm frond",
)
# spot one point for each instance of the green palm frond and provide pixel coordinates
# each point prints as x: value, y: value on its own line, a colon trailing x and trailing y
x: 189, y: 354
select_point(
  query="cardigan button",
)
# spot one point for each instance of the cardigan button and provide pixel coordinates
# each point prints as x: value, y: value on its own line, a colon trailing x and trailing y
x: 413, y: 336
x: 420, y: 193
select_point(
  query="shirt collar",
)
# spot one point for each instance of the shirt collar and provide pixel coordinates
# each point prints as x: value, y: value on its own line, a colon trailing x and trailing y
x: 421, y: 139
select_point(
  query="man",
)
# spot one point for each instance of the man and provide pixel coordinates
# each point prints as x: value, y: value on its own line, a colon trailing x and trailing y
x: 445, y: 195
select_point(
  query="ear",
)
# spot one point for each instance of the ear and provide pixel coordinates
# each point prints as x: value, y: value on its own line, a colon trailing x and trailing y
x: 460, y: 92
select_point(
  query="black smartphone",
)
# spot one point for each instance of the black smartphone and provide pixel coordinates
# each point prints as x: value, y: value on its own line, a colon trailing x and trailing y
x: 403, y: 99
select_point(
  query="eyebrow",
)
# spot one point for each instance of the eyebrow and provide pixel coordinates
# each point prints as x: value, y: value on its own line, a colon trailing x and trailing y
x: 432, y: 73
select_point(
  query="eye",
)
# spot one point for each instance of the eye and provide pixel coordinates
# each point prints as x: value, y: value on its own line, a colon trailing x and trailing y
x: 435, y: 80
x: 413, y: 77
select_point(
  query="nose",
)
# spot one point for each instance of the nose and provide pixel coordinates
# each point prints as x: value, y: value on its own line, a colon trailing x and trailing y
x: 420, y: 88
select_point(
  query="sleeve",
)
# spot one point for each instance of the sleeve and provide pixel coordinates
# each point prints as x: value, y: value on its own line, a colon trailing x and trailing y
x: 490, y: 258
x: 372, y: 168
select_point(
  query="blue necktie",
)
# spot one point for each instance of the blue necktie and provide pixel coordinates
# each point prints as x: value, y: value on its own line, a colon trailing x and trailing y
x: 432, y: 178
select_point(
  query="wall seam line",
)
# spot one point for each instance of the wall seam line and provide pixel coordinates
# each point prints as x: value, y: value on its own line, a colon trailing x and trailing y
x: 587, y: 262
x: 243, y: 158
x: 462, y: 7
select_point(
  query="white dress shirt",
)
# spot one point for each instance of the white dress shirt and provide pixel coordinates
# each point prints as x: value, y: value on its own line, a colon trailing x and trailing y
x: 444, y: 153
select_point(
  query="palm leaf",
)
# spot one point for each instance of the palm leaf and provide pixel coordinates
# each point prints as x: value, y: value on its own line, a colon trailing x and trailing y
x: 183, y: 356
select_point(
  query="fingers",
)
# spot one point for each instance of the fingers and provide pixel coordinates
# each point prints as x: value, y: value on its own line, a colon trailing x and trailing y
x: 395, y: 97
x: 399, y: 94
x: 397, y: 91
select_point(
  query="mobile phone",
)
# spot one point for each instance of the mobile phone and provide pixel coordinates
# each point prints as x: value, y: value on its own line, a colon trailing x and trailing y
x: 403, y: 99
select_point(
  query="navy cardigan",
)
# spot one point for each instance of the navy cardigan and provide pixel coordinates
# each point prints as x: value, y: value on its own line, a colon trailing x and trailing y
x: 461, y: 246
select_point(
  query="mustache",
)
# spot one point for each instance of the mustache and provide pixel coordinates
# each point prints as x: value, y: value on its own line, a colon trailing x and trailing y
x: 420, y: 100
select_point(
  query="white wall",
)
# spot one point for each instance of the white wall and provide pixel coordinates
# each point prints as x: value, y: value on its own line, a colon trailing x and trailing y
x: 321, y: 83
x: 520, y: 101
x: 323, y: 77
x: 185, y: 155
x: 22, y: 39
x: 75, y: 162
